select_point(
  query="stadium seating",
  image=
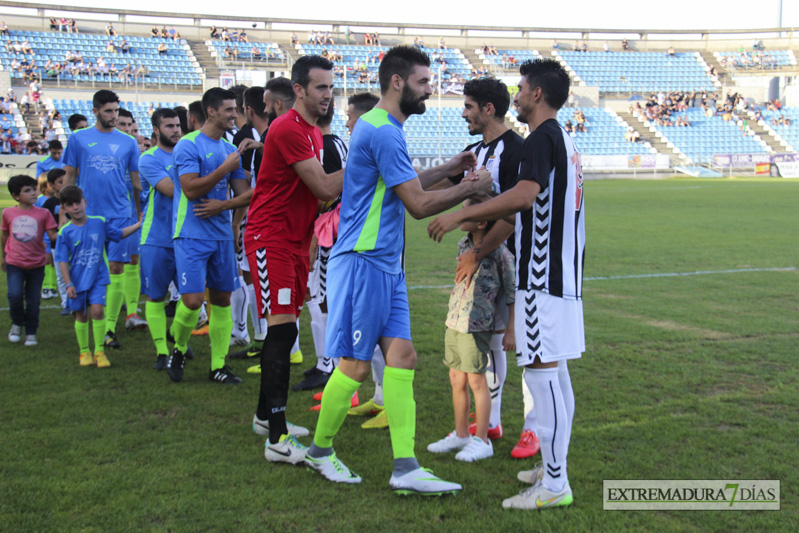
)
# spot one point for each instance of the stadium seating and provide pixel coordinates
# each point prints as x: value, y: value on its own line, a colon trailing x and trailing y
x: 84, y: 107
x: 757, y: 60
x: 789, y: 133
x: 176, y: 67
x: 502, y: 59
x: 217, y: 48
x: 639, y: 71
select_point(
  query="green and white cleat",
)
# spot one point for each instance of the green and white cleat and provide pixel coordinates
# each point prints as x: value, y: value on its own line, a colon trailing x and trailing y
x: 539, y: 497
x: 532, y: 476
x: 422, y: 481
x: 332, y: 469
x: 287, y: 450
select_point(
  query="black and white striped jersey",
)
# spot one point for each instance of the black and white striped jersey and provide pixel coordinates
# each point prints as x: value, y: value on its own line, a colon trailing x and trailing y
x: 500, y: 157
x: 334, y: 153
x: 550, y: 237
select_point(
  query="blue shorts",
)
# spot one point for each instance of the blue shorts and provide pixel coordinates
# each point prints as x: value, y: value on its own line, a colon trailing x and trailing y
x: 134, y: 241
x: 118, y: 251
x: 95, y: 295
x: 157, y: 267
x: 203, y: 264
x: 363, y: 304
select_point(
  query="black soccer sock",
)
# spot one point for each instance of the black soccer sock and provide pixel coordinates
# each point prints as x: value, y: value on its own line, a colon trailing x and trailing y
x: 275, y: 374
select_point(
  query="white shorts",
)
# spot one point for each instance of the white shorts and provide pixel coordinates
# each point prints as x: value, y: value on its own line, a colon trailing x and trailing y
x: 241, y: 257
x: 317, y: 279
x: 547, y: 327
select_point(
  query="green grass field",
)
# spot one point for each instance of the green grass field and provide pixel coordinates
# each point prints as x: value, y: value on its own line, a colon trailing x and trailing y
x: 684, y: 377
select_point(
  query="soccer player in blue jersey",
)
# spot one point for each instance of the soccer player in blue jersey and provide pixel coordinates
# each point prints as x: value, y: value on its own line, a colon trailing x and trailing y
x: 367, y: 295
x: 100, y: 160
x: 158, y: 171
x: 81, y: 256
x: 206, y: 165
x: 53, y: 160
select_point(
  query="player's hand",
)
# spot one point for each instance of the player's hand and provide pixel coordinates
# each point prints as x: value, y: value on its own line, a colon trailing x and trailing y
x: 232, y: 162
x: 442, y: 224
x: 249, y: 144
x: 509, y: 340
x: 208, y: 207
x: 71, y: 293
x: 236, y: 235
x: 480, y: 181
x: 467, y: 266
x: 461, y: 163
x: 313, y: 252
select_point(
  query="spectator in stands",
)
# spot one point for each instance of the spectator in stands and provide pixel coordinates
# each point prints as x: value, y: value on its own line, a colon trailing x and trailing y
x: 225, y: 34
x: 569, y: 127
x: 214, y: 32
x: 376, y: 39
x: 255, y: 53
x: 270, y: 54
x: 73, y: 26
x: 682, y: 121
x: 329, y: 38
x: 584, y: 47
x: 162, y: 48
x: 576, y: 47
x: 171, y: 33
x: 126, y: 73
x: 231, y: 53
x: 26, y: 48
x: 758, y: 45
x: 63, y: 24
x: 3, y: 28
x: 606, y: 47
x: 492, y: 49
x: 142, y: 71
x: 624, y: 46
x: 441, y: 44
x: 154, y: 31
x: 53, y: 24
x: 367, y: 39
x: 670, y: 52
x: 234, y: 36
x: 243, y: 38
x: 164, y: 32
x: 294, y: 39
x: 110, y: 31
x: 124, y: 46
x: 555, y: 45
x: 312, y: 37
x: 110, y: 47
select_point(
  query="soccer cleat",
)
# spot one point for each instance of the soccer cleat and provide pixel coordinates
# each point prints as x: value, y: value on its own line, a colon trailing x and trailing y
x: 254, y: 369
x: 201, y: 329
x: 317, y: 407
x: 239, y: 341
x: 332, y: 469
x: 30, y: 340
x: 318, y: 396
x: 134, y: 322
x: 15, y: 334
x: 493, y: 433
x: 111, y: 341
x: 101, y: 360
x: 313, y: 381
x: 86, y: 359
x: 287, y: 450
x: 175, y: 365
x: 189, y: 352
x: 224, y: 375
x: 161, y: 362
x: 378, y: 422
x: 296, y: 358
x: 422, y: 481
x: 47, y: 294
x: 475, y: 450
x: 261, y: 427
x: 531, y: 476
x: 369, y: 408
x: 450, y: 443
x: 310, y: 371
x: 253, y: 350
x: 539, y: 497
x: 527, y: 446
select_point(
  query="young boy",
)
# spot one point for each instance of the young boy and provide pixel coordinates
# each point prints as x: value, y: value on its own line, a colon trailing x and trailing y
x: 49, y: 283
x: 23, y: 256
x: 470, y: 326
x: 55, y: 181
x: 80, y: 254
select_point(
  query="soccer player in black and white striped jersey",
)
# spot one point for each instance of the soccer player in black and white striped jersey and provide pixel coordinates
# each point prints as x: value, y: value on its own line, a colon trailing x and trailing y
x: 548, y: 206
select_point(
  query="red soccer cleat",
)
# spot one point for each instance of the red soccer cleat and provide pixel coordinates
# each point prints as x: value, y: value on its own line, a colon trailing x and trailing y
x: 527, y: 446
x: 493, y: 433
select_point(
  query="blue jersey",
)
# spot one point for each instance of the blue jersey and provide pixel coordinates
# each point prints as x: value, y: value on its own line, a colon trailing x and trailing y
x: 83, y: 247
x: 103, y: 161
x: 196, y: 153
x: 372, y: 216
x: 46, y: 164
x: 155, y: 165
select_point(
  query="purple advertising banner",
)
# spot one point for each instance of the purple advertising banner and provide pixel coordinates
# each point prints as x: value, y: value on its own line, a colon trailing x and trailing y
x: 739, y: 160
x: 785, y: 165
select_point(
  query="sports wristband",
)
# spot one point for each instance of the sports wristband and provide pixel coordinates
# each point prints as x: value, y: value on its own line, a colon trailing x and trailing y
x: 70, y: 285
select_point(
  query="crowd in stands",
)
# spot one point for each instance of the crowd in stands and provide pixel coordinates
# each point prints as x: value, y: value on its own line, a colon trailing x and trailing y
x: 163, y: 34
x: 580, y: 124
x: 746, y: 59
x: 61, y: 24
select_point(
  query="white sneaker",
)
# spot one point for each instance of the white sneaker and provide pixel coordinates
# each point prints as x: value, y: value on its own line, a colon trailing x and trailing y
x: 261, y: 427
x: 30, y: 340
x: 422, y: 481
x: 539, y: 497
x: 475, y: 450
x: 450, y: 443
x: 239, y: 341
x: 287, y: 450
x: 46, y: 294
x: 331, y: 468
x: 531, y: 476
x: 14, y: 335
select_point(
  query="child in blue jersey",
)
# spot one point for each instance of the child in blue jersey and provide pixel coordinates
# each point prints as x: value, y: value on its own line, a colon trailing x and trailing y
x: 80, y: 253
x: 49, y: 285
x: 46, y: 164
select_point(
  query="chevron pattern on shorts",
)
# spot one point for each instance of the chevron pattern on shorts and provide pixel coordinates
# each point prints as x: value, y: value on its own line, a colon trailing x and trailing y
x: 532, y: 332
x: 263, y: 280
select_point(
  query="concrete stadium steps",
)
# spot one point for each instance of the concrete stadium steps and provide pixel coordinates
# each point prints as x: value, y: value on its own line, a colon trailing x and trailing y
x: 648, y: 136
x: 203, y: 57
x: 721, y: 72
x: 764, y: 133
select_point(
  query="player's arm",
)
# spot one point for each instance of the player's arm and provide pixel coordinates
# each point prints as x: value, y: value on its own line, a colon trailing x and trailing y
x: 421, y: 204
x: 519, y: 198
x: 209, y: 207
x: 325, y: 187
x: 166, y: 187
x: 469, y: 261
x: 194, y: 186
x: 509, y: 340
x: 71, y: 174
x: 459, y: 164
x: 133, y: 228
x: 53, y: 234
x: 136, y: 182
x: 3, y: 239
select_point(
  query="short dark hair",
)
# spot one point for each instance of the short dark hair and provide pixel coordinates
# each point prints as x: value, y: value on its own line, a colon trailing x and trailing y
x: 551, y: 77
x: 162, y: 112
x: 489, y: 90
x: 125, y: 113
x: 196, y: 110
x: 214, y: 97
x: 326, y: 119
x: 104, y: 96
x: 183, y: 116
x: 282, y: 88
x: 363, y: 102
x: 301, y: 70
x: 400, y: 60
x: 254, y: 98
x: 73, y: 120
x: 238, y: 90
x: 55, y: 144
x: 71, y: 194
x: 54, y: 174
x: 19, y: 182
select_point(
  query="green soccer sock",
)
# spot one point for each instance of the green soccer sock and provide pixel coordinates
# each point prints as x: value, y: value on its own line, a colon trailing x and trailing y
x: 184, y: 322
x: 98, y: 330
x: 156, y: 319
x: 132, y: 287
x: 400, y: 410
x: 50, y: 281
x: 113, y: 299
x: 335, y: 404
x: 220, y: 327
x: 82, y: 333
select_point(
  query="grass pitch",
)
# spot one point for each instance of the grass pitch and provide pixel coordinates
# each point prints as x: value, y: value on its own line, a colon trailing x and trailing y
x: 685, y: 377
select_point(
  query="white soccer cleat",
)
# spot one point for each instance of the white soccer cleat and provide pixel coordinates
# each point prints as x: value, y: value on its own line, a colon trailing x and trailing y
x: 422, y: 481
x: 450, y: 443
x: 531, y: 476
x: 539, y: 497
x: 287, y: 450
x: 332, y: 469
x: 261, y: 427
x: 239, y: 341
x: 475, y: 450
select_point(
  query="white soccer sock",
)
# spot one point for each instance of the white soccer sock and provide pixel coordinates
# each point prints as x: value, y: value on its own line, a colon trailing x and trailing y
x: 258, y: 324
x: 552, y: 424
x: 62, y: 286
x: 297, y: 340
x: 318, y: 330
x: 378, y: 367
x: 568, y: 395
x: 238, y: 310
x: 496, y: 373
x: 530, y: 421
